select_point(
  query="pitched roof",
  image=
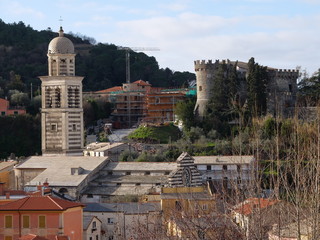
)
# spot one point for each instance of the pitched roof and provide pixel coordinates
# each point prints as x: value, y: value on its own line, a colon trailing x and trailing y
x: 87, y: 220
x: 39, y: 203
x: 142, y: 83
x: 128, y: 208
x: 32, y: 237
x: 108, y: 90
x: 247, y: 207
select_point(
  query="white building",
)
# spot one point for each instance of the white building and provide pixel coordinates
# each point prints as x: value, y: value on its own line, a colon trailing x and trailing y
x: 126, y: 220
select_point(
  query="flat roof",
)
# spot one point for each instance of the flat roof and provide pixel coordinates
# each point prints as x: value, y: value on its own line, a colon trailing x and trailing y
x: 98, y: 147
x: 117, y: 190
x: 143, y: 179
x: 218, y: 160
x: 57, y: 169
x: 141, y: 166
x: 6, y: 164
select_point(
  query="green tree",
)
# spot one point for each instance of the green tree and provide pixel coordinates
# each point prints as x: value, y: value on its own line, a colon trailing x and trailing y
x: 185, y: 112
x: 256, y: 88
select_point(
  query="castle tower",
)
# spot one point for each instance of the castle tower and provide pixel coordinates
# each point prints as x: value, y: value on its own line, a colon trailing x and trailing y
x: 62, y: 112
x: 205, y: 74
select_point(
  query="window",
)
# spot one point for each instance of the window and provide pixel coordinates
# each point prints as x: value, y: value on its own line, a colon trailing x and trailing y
x: 89, y: 196
x: 74, y: 127
x: 147, y: 173
x: 3, y: 113
x: 94, y: 225
x: 53, y: 127
x: 290, y: 88
x: 15, y: 112
x: 97, y: 237
x: 204, y: 207
x: 208, y: 167
x: 118, y: 184
x: 25, y: 221
x: 200, y: 88
x: 128, y: 173
x: 90, y: 238
x: 8, y: 221
x: 238, y: 168
x: 110, y: 220
x: 42, y: 221
x: 138, y: 184
x: 225, y: 167
x: 110, y: 238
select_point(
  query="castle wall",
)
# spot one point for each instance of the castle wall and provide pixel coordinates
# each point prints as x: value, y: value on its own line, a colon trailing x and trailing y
x: 205, y: 80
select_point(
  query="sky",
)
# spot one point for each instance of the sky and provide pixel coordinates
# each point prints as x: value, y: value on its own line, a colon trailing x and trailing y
x: 282, y: 34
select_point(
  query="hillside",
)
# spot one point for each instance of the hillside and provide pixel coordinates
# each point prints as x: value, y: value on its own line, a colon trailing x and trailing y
x: 23, y: 53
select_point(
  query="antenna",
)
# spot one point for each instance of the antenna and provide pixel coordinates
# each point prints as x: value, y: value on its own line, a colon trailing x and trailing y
x: 60, y: 20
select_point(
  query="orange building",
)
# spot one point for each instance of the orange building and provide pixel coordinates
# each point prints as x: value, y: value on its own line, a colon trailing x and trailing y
x: 160, y: 105
x: 139, y: 101
x: 44, y: 216
x: 6, y: 110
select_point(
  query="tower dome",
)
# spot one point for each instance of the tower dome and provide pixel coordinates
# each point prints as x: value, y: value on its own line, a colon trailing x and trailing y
x: 61, y: 45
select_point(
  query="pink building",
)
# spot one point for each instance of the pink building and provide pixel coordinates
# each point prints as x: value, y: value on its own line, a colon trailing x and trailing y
x: 44, y: 216
x: 6, y: 110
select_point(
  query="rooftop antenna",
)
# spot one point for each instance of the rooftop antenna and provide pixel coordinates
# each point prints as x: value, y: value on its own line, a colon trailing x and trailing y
x: 60, y: 20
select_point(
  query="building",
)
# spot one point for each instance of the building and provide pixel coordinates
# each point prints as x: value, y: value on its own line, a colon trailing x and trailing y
x: 139, y: 178
x: 61, y: 112
x: 41, y: 215
x: 257, y: 216
x: 126, y: 220
x: 160, y: 105
x: 140, y: 102
x: 91, y: 228
x: 291, y: 232
x: 7, y: 174
x: 62, y: 163
x: 6, y: 110
x: 281, y: 87
x: 68, y: 175
x: 226, y: 172
x: 102, y: 149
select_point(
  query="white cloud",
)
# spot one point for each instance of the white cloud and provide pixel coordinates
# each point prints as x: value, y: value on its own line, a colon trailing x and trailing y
x: 19, y: 10
x: 280, y: 42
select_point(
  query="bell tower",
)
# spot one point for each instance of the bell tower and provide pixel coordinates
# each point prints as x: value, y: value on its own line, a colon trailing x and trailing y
x: 62, y: 112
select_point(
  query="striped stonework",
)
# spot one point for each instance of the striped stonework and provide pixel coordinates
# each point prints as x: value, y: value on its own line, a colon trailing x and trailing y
x: 186, y: 174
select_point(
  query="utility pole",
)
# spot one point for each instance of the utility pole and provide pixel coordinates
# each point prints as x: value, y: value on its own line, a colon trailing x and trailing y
x: 128, y: 80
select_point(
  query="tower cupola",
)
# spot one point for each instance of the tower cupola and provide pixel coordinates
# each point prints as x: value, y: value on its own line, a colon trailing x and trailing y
x: 61, y: 56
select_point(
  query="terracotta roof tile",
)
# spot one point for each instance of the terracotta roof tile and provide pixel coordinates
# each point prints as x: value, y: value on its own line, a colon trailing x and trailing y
x: 32, y: 237
x: 108, y: 90
x: 247, y: 207
x: 39, y: 203
x: 142, y: 83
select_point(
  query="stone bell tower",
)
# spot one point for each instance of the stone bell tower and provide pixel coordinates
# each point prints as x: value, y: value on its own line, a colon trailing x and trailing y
x: 62, y: 112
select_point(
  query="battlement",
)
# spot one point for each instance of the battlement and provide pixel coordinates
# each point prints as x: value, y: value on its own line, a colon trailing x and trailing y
x: 285, y: 73
x: 200, y: 65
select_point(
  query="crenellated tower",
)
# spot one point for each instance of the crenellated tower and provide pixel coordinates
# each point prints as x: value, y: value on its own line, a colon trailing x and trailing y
x: 62, y: 112
x: 205, y: 74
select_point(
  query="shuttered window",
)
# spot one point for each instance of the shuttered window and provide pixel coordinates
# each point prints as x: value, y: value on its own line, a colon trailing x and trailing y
x: 25, y: 221
x: 42, y: 221
x: 8, y: 221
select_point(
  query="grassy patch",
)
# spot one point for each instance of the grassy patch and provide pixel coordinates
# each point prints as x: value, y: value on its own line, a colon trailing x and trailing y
x: 156, y: 134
